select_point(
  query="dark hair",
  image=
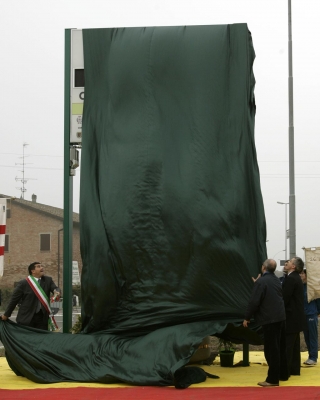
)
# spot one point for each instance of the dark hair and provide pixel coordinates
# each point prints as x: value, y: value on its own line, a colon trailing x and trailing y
x: 298, y: 263
x: 32, y: 267
x: 270, y: 265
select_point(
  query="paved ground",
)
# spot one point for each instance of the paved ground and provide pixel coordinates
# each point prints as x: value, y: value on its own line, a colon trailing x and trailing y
x: 303, y: 347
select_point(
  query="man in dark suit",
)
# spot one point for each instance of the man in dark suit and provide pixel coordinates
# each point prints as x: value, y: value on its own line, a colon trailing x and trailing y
x: 32, y: 312
x: 266, y: 305
x: 295, y: 319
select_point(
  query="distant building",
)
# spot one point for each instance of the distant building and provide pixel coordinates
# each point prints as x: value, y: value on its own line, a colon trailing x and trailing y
x: 34, y: 232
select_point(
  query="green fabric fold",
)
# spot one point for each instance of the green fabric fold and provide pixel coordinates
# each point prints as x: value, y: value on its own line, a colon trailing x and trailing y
x: 171, y: 214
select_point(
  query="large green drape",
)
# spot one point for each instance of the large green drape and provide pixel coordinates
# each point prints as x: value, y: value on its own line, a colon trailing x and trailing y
x: 172, y: 219
x: 171, y: 213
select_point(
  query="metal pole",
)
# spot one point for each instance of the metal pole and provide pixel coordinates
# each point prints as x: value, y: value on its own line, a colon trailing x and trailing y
x: 67, y: 198
x: 292, y: 199
x: 285, y: 227
x: 23, y: 169
x: 285, y: 231
x: 59, y: 255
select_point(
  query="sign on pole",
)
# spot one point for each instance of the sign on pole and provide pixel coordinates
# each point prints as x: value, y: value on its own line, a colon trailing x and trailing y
x: 76, y: 86
x: 75, y: 273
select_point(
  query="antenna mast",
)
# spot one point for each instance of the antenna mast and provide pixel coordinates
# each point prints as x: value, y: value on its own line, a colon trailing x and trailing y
x: 23, y: 180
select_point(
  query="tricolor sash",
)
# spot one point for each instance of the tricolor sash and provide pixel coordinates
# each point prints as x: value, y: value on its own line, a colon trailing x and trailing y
x: 3, y: 217
x: 39, y: 292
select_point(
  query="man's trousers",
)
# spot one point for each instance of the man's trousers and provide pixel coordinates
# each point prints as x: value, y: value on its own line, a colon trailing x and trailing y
x: 293, y: 353
x: 311, y: 336
x: 275, y: 351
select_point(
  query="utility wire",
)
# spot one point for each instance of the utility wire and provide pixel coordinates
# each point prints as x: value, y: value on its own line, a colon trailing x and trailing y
x: 17, y: 167
x: 33, y: 155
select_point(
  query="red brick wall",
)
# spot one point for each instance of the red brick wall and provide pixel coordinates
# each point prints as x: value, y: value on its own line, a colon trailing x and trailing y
x: 24, y: 228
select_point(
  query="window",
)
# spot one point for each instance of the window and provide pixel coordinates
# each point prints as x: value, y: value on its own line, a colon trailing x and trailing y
x: 45, y: 242
x: 6, y: 243
x: 8, y: 213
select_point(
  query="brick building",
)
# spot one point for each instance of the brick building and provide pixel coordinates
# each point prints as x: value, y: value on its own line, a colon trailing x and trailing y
x: 34, y: 232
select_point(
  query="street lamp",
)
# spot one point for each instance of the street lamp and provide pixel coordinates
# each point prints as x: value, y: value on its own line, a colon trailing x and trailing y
x: 277, y: 253
x: 292, y: 195
x: 285, y: 226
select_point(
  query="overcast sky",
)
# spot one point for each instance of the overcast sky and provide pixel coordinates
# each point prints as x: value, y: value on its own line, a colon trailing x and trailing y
x: 32, y: 85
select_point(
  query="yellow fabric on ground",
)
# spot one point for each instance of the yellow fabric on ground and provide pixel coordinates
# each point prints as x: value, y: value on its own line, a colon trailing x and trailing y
x: 229, y: 377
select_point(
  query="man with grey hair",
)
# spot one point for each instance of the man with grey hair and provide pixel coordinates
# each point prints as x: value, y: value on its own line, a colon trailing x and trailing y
x: 295, y: 317
x: 267, y: 307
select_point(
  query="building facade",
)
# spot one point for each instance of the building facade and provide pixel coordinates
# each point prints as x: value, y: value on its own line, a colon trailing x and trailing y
x: 34, y: 232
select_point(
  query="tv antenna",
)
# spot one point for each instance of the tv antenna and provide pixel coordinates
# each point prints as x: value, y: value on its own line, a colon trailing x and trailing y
x: 23, y: 180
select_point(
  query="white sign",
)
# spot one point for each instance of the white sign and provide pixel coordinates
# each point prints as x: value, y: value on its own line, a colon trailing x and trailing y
x: 312, y: 264
x: 77, y: 86
x: 75, y: 273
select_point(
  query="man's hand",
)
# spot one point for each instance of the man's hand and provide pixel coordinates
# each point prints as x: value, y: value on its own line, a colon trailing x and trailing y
x: 255, y: 279
x: 245, y: 323
x: 56, y: 296
x: 4, y: 318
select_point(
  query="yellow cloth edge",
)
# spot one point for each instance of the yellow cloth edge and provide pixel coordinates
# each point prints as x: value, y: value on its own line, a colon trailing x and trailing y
x: 229, y: 377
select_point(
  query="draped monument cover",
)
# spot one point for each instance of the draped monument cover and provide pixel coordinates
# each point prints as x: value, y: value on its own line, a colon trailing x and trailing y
x: 171, y: 212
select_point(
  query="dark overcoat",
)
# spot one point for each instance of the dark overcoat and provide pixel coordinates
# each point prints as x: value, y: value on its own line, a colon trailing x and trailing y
x: 292, y: 287
x: 24, y: 295
x: 266, y: 302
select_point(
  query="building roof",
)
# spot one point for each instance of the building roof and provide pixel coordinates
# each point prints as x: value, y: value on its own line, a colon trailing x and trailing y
x: 49, y: 210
